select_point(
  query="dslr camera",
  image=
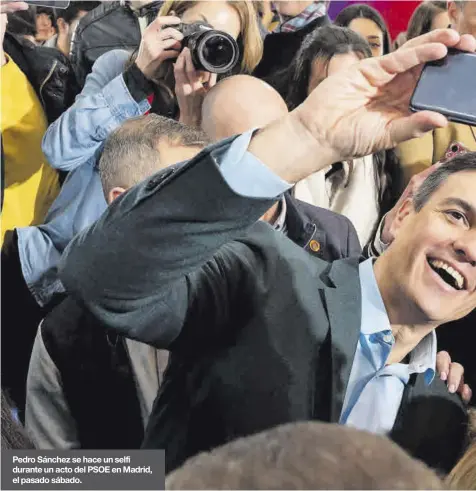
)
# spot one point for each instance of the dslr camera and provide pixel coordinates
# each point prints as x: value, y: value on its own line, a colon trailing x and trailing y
x: 212, y: 51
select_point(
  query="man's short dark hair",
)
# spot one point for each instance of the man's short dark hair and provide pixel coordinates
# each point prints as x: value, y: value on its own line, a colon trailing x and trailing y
x: 131, y: 152
x: 460, y: 163
x: 307, y: 455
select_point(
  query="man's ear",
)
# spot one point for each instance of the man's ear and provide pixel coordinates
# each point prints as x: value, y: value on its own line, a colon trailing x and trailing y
x: 454, y: 13
x: 404, y: 212
x: 114, y: 193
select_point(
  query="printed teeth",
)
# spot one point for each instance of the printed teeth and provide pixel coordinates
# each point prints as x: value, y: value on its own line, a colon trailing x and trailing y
x: 456, y: 276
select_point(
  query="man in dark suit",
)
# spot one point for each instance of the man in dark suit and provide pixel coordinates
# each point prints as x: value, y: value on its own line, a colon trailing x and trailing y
x: 262, y: 333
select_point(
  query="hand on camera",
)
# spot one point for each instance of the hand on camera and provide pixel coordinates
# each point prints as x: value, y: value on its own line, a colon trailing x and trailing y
x: 191, y: 86
x: 159, y: 42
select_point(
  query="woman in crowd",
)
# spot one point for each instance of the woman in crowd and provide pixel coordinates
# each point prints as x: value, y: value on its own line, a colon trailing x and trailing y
x: 363, y: 189
x: 119, y: 89
x: 367, y: 22
x: 46, y: 26
x: 427, y: 17
x: 151, y: 69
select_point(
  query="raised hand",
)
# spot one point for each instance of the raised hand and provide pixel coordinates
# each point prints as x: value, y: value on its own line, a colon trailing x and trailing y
x: 356, y: 112
x: 366, y: 108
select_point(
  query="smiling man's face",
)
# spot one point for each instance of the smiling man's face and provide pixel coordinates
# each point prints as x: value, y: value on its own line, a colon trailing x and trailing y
x: 430, y: 268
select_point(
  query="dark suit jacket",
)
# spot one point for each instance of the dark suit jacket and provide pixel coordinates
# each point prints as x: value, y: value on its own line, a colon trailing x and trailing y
x: 260, y: 332
x: 335, y: 235
x: 94, y: 365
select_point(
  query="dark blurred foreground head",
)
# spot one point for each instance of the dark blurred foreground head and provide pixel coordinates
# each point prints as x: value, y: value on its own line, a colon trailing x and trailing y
x: 13, y: 435
x: 307, y: 455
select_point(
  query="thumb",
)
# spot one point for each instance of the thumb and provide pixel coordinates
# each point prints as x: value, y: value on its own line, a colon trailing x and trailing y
x: 415, y: 126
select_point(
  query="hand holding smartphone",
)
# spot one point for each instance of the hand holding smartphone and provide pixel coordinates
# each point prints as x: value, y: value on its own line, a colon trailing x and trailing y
x: 448, y: 87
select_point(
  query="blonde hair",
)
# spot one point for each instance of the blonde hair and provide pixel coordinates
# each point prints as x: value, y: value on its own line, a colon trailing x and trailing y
x: 249, y: 32
x: 463, y: 476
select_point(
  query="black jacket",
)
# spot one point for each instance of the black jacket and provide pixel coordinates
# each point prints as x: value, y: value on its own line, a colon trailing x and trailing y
x: 50, y: 74
x: 280, y: 49
x: 107, y: 27
x: 94, y: 364
x: 48, y: 71
x: 260, y: 332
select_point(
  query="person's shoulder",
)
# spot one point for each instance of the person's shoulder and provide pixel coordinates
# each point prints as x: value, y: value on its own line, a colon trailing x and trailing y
x: 112, y: 61
x: 98, y: 14
x: 323, y: 216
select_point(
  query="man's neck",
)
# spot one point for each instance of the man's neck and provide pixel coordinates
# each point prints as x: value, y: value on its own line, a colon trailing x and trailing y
x: 408, y: 325
x: 406, y: 339
x: 272, y: 214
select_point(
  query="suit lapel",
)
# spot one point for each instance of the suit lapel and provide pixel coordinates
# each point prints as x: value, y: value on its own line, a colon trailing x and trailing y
x: 344, y: 307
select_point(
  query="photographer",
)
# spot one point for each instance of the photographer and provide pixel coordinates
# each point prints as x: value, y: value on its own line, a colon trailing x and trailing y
x: 116, y: 91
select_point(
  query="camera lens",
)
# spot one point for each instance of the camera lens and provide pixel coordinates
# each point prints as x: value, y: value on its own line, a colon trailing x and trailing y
x: 217, y: 52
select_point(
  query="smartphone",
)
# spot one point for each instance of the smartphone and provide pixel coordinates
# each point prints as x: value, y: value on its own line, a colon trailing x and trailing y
x: 56, y: 4
x: 448, y: 87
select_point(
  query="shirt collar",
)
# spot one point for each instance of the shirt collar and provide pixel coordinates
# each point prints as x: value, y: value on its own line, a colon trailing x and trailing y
x: 423, y: 357
x: 309, y: 14
x: 280, y: 221
x: 375, y: 320
x: 374, y: 315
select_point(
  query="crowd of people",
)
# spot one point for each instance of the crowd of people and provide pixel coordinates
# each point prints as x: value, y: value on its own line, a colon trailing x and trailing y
x: 267, y: 270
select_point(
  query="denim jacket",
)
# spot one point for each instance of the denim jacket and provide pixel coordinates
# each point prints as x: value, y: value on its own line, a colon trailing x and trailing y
x: 73, y: 143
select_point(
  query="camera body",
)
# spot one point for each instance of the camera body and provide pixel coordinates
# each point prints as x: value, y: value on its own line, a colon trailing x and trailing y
x: 212, y: 50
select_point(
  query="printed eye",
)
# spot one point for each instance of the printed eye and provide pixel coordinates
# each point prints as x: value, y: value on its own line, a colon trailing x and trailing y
x: 457, y: 217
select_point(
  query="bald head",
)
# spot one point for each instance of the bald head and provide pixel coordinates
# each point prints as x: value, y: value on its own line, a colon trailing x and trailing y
x: 238, y: 104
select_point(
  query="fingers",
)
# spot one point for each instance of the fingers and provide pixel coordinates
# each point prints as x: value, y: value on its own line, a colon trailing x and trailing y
x: 455, y: 377
x: 448, y: 37
x: 415, y: 126
x: 443, y: 363
x: 466, y: 393
x: 168, y: 20
x: 403, y: 60
x: 212, y: 80
x: 179, y: 70
x: 467, y: 43
x: 10, y: 7
x: 170, y: 45
x: 193, y: 75
x: 170, y: 33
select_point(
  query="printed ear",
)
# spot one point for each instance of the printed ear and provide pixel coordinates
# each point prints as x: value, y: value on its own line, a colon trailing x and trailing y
x: 406, y: 209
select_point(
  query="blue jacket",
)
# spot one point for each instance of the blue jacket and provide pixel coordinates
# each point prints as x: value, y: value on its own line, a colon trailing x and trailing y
x: 73, y: 143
